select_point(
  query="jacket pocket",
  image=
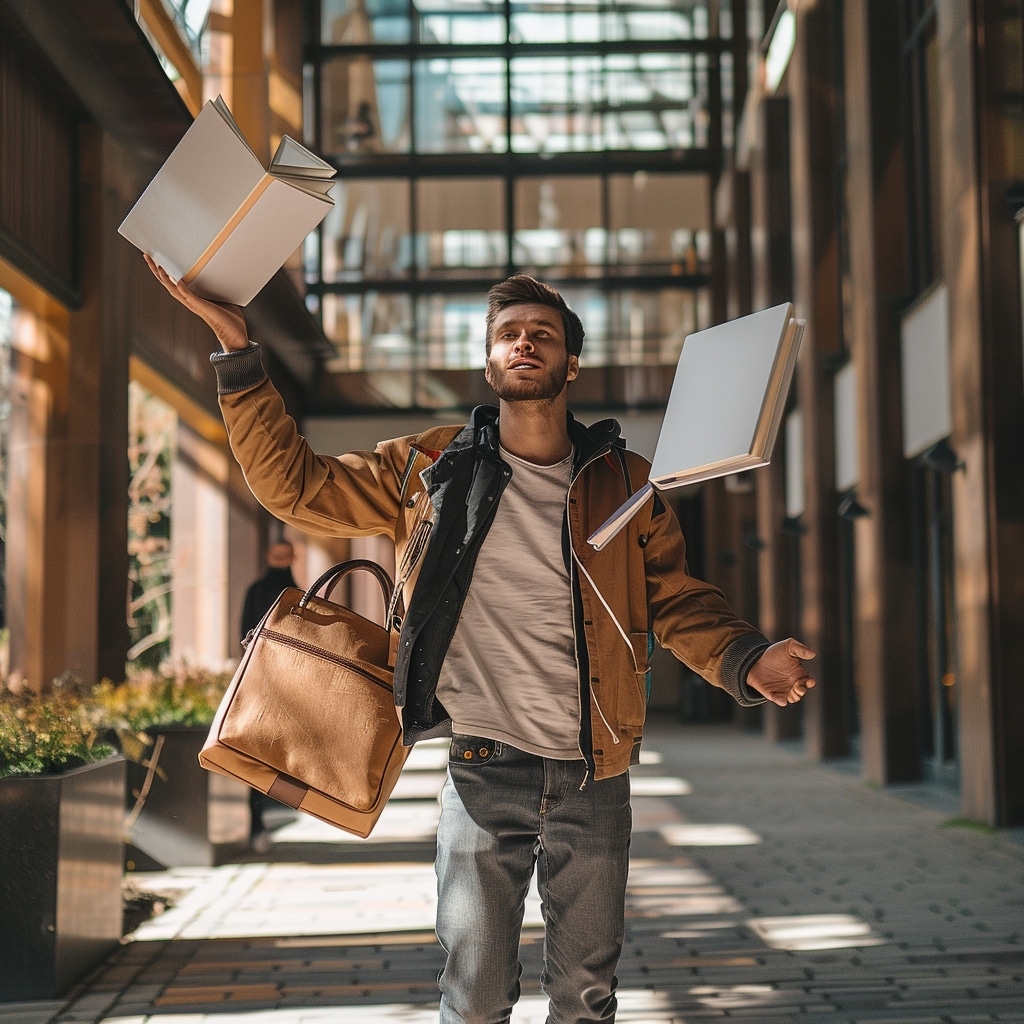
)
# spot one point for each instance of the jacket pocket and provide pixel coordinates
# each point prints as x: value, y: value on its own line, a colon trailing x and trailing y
x: 405, y: 577
x: 640, y: 642
x: 414, y: 549
x: 633, y: 709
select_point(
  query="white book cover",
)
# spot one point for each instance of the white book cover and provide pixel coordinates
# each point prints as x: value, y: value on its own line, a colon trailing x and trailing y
x: 724, y: 408
x: 216, y: 218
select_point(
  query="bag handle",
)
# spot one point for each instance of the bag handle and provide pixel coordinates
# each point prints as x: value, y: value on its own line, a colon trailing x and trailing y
x: 330, y: 579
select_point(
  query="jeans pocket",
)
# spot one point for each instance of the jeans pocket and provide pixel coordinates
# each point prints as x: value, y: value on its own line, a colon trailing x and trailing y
x: 468, y: 750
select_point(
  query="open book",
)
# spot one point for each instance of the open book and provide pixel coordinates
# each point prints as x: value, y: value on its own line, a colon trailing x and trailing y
x: 725, y: 406
x: 215, y: 218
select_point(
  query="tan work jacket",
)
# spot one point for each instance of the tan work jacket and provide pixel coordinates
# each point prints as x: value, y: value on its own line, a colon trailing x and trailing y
x: 433, y: 494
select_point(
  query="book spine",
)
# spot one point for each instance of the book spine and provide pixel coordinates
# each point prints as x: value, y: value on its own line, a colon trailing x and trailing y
x: 233, y: 221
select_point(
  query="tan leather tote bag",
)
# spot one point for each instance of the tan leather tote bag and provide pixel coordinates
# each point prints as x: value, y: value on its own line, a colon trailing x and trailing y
x: 309, y: 717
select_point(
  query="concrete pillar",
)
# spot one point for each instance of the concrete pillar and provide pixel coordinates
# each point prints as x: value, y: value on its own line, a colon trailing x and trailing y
x: 816, y: 294
x: 884, y: 623
x: 67, y: 505
x: 980, y: 145
x: 772, y: 283
x: 812, y: 118
x: 199, y: 551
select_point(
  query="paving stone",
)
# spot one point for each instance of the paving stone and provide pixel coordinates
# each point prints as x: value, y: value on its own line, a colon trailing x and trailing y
x: 280, y: 943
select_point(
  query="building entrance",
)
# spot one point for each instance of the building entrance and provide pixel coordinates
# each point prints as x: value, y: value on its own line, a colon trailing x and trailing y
x: 936, y: 623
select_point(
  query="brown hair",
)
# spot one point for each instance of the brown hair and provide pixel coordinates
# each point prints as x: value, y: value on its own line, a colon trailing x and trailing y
x: 522, y: 288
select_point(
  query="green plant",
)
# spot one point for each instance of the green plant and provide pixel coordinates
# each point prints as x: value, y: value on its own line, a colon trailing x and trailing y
x: 40, y: 735
x: 149, y: 698
x: 75, y: 724
x: 970, y: 824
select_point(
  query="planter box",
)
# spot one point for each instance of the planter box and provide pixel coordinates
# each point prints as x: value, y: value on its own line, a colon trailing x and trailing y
x: 191, y: 817
x: 61, y: 863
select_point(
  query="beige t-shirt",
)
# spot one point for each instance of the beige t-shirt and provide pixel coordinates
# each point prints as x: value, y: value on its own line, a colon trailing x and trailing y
x: 510, y: 673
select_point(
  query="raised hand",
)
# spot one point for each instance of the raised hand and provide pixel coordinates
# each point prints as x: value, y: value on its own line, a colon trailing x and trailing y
x: 225, y: 320
x: 779, y: 674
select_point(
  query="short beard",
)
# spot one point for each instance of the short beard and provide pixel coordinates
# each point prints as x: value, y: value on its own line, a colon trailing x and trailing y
x: 537, y: 389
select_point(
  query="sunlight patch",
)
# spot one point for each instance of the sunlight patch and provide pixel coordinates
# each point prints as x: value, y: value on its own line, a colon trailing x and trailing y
x: 404, y: 821
x: 659, y: 785
x: 636, y: 1006
x: 708, y: 835
x: 428, y: 756
x: 737, y: 997
x: 815, y: 931
x: 419, y: 785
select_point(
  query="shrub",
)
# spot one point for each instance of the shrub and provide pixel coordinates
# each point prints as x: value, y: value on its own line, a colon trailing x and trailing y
x: 74, y: 724
x: 55, y: 733
x: 149, y: 698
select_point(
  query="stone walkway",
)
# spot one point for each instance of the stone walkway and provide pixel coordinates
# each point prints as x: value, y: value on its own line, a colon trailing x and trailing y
x: 762, y: 888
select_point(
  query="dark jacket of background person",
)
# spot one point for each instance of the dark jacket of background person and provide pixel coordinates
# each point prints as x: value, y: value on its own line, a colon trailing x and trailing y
x: 262, y: 594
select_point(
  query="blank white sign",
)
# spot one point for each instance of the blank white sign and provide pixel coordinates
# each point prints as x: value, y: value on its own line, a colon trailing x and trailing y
x: 925, y: 358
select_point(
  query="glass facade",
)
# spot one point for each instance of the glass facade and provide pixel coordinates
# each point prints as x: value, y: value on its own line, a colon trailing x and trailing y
x: 474, y: 139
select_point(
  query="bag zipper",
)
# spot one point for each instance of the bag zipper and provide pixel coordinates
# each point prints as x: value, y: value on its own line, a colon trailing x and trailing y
x: 319, y: 652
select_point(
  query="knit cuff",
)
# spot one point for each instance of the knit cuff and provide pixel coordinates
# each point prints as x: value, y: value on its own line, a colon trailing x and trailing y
x: 736, y: 662
x: 238, y: 371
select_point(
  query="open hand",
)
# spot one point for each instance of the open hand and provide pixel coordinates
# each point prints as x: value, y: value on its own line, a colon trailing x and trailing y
x: 225, y: 320
x: 779, y: 674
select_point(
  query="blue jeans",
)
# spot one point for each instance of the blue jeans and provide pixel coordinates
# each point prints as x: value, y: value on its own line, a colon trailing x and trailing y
x: 503, y: 812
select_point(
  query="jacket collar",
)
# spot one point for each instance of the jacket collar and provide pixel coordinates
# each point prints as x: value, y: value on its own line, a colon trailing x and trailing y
x: 481, y: 432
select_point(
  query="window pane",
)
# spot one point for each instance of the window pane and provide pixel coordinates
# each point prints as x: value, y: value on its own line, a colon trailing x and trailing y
x: 366, y: 234
x: 460, y: 106
x: 657, y: 101
x: 462, y: 22
x: 364, y: 21
x: 627, y: 328
x: 591, y: 305
x: 623, y: 102
x: 659, y: 222
x: 364, y: 106
x: 558, y: 225
x: 557, y: 104
x: 648, y: 328
x: 369, y: 332
x: 450, y: 329
x: 152, y: 443
x: 461, y: 227
x: 564, y: 22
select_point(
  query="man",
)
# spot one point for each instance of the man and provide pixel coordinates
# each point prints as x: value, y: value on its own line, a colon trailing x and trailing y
x: 262, y: 593
x: 259, y: 597
x: 518, y: 638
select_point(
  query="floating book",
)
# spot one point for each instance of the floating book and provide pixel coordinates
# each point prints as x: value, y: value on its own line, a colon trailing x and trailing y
x: 725, y: 406
x: 216, y: 219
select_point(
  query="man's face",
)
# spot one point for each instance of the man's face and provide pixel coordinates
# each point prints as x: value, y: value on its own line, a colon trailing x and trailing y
x: 528, y: 359
x: 279, y: 556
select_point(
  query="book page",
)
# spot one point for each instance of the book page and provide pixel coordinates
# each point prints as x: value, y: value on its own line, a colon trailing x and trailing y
x: 292, y: 158
x: 318, y: 186
x: 260, y: 243
x: 724, y: 409
x: 718, y: 393
x: 200, y: 186
x: 222, y: 108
